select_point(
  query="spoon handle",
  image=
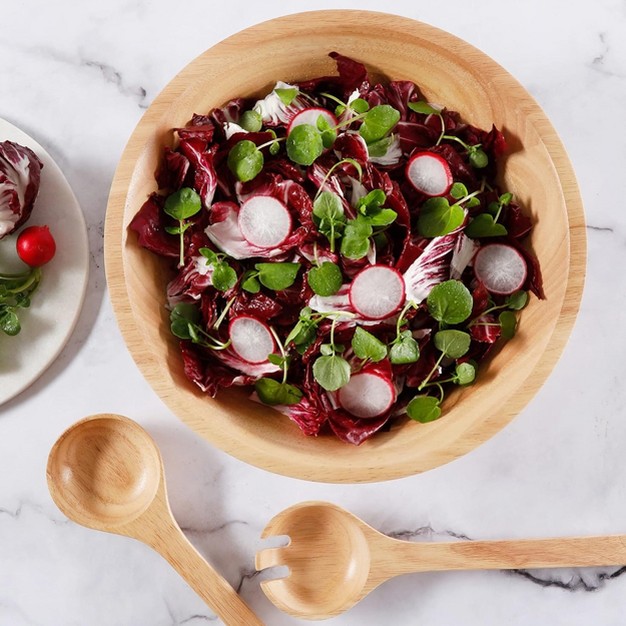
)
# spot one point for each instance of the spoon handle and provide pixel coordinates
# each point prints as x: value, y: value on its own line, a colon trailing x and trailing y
x: 405, y: 557
x: 173, y: 546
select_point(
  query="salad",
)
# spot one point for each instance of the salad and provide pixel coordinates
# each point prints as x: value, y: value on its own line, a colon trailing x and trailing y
x: 20, y: 175
x: 340, y: 247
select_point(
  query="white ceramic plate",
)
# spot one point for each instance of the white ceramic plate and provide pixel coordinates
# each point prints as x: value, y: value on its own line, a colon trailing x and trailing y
x: 48, y: 323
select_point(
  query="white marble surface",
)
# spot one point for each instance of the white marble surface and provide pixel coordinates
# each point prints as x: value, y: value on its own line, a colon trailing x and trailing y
x: 77, y: 77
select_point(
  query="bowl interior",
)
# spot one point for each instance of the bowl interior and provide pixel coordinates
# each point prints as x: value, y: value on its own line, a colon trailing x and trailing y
x: 449, y: 72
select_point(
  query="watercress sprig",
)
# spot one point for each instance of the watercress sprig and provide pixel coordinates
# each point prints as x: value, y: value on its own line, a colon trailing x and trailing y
x: 486, y: 224
x: 330, y: 370
x: 404, y: 349
x: 274, y: 392
x: 224, y: 276
x: 185, y: 321
x: 275, y: 276
x: 476, y: 155
x: 438, y: 217
x: 181, y: 205
x: 15, y: 292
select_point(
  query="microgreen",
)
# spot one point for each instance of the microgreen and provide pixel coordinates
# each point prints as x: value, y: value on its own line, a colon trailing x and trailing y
x: 273, y: 392
x: 286, y: 95
x: 508, y: 324
x: 326, y: 279
x: 330, y: 370
x: 15, y: 293
x: 424, y: 409
x: 224, y: 276
x: 438, y: 217
x: 357, y: 106
x: 370, y: 207
x: 476, y: 155
x: 245, y: 160
x: 276, y: 276
x: 404, y: 349
x: 367, y: 346
x: 251, y: 121
x: 185, y: 320
x: 378, y: 122
x: 355, y: 243
x: 452, y: 343
x: 303, y: 334
x: 329, y: 216
x: 486, y: 224
x: 516, y: 302
x: 450, y: 302
x: 329, y: 134
x: 465, y: 373
x: 427, y: 109
x: 304, y: 144
x: 181, y: 205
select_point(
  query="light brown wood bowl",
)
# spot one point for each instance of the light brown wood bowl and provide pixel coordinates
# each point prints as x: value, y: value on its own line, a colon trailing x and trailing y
x: 449, y: 71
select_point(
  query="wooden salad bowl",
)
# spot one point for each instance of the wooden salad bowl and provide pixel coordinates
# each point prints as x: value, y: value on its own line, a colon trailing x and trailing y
x: 448, y: 71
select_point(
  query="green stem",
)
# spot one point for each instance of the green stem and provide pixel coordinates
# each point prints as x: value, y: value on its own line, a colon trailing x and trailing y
x: 443, y: 129
x: 34, y: 278
x: 432, y: 371
x: 282, y: 353
x: 474, y: 322
x: 220, y: 319
x: 13, y: 277
x: 269, y: 143
x: 181, y: 259
x: 409, y: 305
x: 469, y: 196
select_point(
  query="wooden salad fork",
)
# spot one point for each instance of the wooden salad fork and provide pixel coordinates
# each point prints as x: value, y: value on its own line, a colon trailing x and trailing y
x: 335, y: 559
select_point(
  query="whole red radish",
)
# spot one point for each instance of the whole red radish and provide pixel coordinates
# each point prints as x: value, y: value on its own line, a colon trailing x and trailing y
x: 36, y: 246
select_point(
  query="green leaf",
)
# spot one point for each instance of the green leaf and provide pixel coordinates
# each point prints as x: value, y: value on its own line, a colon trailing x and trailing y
x: 274, y: 148
x: 355, y: 243
x: 359, y: 105
x: 304, y: 144
x: 508, y: 323
x: 303, y: 333
x: 276, y: 359
x: 286, y: 95
x: 245, y: 160
x: 379, y: 148
x: 483, y: 225
x: 327, y: 349
x: 186, y: 311
x: 328, y: 206
x: 371, y: 202
x: 458, y: 191
x: 517, y: 300
x: 272, y: 392
x: 423, y: 409
x: 250, y: 282
x: 423, y: 107
x: 478, y: 158
x: 10, y: 322
x: 473, y: 202
x: 506, y: 198
x: 465, y: 374
x: 378, y: 122
x: 437, y: 217
x: 210, y: 256
x: 331, y: 372
x: 277, y: 276
x: 453, y: 343
x: 329, y: 134
x: 224, y: 276
x: 325, y: 280
x: 251, y: 121
x: 404, y: 351
x: 450, y: 302
x: 366, y: 346
x: 183, y: 203
x: 383, y: 217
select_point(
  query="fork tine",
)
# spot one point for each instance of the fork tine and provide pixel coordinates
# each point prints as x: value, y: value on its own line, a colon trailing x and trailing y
x: 270, y: 557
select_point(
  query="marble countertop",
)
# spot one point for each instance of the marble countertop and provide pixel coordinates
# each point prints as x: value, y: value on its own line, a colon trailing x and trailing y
x: 77, y: 77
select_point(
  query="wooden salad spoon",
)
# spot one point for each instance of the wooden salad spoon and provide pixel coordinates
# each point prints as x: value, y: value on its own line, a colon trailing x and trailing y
x: 335, y: 559
x: 105, y: 472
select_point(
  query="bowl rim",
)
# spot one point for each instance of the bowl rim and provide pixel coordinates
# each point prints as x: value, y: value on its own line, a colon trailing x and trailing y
x: 305, y: 468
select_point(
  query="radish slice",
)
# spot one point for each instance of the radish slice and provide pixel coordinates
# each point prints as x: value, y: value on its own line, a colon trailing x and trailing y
x: 310, y: 116
x: 264, y: 221
x: 377, y: 292
x: 251, y: 339
x: 500, y: 268
x: 429, y: 173
x: 367, y: 395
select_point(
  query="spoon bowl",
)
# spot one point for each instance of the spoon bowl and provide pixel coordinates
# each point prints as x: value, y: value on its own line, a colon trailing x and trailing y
x: 335, y: 559
x: 104, y: 471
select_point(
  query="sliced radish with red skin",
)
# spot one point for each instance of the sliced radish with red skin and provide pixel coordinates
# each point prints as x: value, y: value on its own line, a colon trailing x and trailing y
x: 377, y: 292
x: 501, y: 268
x: 367, y: 395
x: 251, y: 339
x: 429, y: 173
x: 264, y: 221
x: 310, y: 116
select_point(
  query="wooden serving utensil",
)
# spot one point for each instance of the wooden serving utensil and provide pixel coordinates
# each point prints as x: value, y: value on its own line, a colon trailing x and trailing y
x: 335, y: 559
x: 105, y: 472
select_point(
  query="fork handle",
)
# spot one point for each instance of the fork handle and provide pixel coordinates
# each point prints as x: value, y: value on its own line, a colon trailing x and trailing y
x: 402, y: 557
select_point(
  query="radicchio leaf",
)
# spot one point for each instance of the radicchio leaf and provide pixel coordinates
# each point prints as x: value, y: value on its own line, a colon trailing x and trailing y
x: 20, y: 173
x: 148, y: 224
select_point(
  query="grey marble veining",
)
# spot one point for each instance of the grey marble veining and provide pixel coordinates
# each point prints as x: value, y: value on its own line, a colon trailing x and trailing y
x: 78, y: 77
